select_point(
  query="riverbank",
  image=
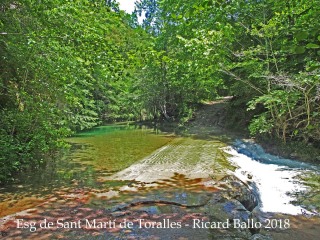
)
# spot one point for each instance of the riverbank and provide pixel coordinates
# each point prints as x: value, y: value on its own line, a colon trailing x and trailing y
x: 219, y: 117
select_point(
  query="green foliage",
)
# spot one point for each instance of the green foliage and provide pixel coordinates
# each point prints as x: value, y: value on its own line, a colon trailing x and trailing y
x: 265, y: 53
x: 260, y: 125
x: 70, y: 65
x: 286, y: 47
x: 64, y: 66
x: 181, y: 67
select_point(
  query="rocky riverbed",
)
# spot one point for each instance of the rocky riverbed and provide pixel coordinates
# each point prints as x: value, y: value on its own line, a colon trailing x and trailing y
x: 122, y: 182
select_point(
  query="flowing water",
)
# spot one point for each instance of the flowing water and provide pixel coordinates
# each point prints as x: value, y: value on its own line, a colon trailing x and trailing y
x: 157, y: 173
x: 276, y: 181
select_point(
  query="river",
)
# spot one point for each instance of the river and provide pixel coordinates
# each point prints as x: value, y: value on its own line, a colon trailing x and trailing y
x: 130, y: 173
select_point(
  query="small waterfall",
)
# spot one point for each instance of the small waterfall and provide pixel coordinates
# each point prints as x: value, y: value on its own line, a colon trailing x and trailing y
x: 275, y: 180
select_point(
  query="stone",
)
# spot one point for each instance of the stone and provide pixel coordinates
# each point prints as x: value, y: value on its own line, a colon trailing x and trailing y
x: 260, y: 237
x: 228, y: 210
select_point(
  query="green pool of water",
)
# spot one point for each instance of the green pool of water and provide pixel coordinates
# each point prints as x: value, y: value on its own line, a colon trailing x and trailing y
x: 112, y: 148
x: 95, y: 153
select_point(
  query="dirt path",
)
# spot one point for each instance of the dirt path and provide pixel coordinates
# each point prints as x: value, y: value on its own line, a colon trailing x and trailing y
x: 210, y: 118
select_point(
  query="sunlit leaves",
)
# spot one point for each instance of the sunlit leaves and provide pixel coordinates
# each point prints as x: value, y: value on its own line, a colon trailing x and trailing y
x: 64, y: 66
x: 190, y: 45
x: 312, y: 46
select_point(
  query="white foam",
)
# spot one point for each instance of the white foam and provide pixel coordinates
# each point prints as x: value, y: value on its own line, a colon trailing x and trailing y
x: 275, y: 184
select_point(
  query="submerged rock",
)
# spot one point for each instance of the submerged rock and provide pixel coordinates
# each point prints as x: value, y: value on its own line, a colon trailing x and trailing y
x: 237, y: 204
x: 228, y: 211
x: 240, y: 191
x: 260, y: 237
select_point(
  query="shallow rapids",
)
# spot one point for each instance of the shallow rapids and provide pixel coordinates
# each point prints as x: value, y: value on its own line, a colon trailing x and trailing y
x: 276, y: 181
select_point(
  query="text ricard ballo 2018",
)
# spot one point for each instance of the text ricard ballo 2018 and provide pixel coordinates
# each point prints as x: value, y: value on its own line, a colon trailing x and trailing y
x: 32, y: 226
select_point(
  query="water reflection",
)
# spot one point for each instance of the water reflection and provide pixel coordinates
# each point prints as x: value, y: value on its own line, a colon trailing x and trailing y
x: 93, y: 154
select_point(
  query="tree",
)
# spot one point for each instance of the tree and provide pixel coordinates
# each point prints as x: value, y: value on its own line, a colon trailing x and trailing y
x: 65, y: 66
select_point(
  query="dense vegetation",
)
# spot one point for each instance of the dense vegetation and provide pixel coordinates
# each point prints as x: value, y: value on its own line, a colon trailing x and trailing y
x: 70, y: 65
x: 65, y: 66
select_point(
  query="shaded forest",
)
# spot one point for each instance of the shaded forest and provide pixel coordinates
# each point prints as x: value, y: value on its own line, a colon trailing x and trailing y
x: 67, y: 66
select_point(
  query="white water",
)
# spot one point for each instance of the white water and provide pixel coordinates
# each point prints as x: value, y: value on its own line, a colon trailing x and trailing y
x: 276, y: 184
